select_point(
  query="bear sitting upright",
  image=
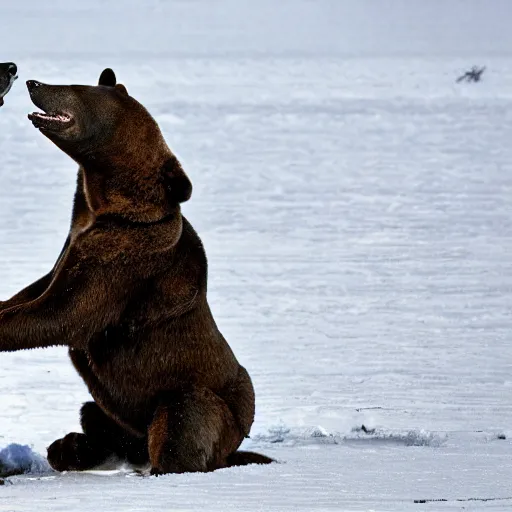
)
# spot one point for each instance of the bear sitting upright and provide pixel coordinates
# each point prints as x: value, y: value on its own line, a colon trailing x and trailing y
x: 128, y: 297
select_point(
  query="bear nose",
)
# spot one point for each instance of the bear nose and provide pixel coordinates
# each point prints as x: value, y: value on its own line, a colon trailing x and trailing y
x: 33, y: 84
x: 12, y: 69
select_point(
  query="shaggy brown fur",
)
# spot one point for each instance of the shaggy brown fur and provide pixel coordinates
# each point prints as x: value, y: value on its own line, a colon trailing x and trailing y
x: 128, y: 296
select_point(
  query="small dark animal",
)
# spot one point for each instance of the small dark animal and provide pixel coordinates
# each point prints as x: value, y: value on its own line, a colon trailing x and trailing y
x: 473, y: 75
x: 128, y: 297
x: 8, y: 72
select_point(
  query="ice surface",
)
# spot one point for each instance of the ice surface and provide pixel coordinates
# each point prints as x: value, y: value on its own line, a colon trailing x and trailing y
x: 355, y: 205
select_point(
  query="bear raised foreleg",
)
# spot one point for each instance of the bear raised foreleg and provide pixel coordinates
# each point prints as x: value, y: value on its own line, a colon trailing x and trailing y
x: 36, y: 289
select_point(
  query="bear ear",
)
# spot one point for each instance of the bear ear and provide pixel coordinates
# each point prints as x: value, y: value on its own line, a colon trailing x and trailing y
x: 122, y: 89
x: 107, y: 78
x: 179, y: 187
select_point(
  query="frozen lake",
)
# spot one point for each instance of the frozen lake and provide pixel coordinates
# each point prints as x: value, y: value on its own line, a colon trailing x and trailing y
x: 355, y: 205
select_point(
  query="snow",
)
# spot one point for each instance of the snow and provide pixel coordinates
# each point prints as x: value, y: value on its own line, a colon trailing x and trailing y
x: 18, y: 458
x: 355, y: 207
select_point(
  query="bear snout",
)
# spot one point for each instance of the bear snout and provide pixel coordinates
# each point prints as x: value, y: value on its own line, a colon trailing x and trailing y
x: 33, y: 84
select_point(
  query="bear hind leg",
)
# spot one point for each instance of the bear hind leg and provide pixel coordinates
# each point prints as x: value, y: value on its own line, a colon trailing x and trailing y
x: 193, y: 431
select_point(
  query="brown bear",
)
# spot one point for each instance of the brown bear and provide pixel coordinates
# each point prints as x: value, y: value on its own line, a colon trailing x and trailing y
x: 128, y: 297
x: 8, y: 72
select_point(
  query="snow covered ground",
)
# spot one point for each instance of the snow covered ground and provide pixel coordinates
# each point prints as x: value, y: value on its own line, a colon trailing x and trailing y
x: 355, y: 205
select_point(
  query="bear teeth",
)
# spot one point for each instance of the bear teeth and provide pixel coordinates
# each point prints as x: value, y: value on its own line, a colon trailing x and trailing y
x: 63, y: 118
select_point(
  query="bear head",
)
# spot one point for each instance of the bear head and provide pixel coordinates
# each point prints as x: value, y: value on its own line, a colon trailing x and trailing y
x: 116, y: 142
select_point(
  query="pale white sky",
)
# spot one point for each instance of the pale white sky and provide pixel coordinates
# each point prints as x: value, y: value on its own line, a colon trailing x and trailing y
x: 243, y: 27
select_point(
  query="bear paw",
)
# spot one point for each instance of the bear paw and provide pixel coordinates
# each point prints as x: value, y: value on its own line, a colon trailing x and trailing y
x: 76, y: 452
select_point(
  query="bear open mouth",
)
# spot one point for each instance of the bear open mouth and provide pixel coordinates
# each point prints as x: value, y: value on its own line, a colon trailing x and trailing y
x: 53, y: 122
